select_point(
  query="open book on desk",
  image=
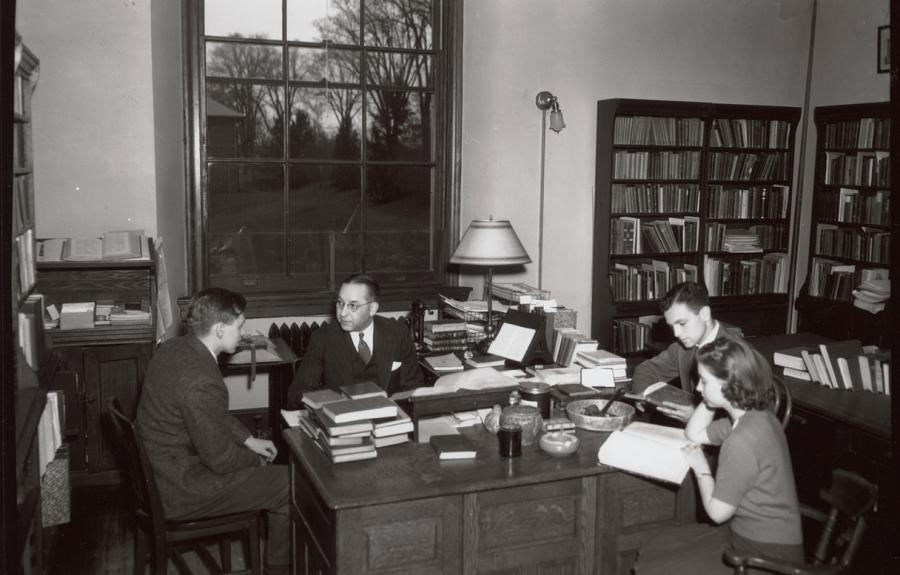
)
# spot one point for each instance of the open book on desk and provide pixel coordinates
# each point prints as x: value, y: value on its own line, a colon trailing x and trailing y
x: 471, y: 379
x: 648, y: 450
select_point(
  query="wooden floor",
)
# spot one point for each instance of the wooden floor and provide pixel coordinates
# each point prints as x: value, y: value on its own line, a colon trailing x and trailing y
x: 99, y: 538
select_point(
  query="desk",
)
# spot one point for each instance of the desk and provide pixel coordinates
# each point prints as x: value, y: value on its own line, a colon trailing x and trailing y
x: 281, y: 374
x: 831, y: 429
x: 409, y: 512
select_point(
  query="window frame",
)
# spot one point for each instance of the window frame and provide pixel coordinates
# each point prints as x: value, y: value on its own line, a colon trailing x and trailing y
x: 447, y: 173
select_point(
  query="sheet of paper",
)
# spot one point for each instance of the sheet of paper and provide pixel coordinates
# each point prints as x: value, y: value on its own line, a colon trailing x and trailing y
x: 512, y: 341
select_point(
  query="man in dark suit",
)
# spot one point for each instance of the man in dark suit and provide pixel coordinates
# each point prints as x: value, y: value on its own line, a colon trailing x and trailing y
x: 358, y: 346
x: 205, y: 461
x: 686, y: 309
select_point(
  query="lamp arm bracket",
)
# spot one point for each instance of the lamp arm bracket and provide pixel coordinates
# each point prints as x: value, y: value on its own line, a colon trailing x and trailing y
x: 544, y: 100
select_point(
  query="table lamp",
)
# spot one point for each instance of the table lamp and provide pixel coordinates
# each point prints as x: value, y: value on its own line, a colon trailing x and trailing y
x: 489, y: 243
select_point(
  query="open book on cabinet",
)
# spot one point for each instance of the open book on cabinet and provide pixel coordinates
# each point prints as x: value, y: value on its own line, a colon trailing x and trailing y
x: 691, y: 191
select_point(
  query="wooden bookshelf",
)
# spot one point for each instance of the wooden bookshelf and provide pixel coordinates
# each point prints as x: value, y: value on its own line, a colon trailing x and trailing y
x: 690, y: 191
x: 850, y: 231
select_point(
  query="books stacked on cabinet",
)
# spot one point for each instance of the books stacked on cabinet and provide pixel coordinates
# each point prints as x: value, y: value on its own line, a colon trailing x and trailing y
x: 841, y: 365
x: 352, y: 424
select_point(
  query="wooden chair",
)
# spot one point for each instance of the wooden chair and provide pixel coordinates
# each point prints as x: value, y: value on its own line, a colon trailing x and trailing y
x: 784, y: 403
x: 158, y: 540
x: 851, y: 498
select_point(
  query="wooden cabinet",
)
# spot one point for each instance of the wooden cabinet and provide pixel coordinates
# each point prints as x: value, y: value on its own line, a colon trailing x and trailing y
x: 106, y: 360
x: 690, y: 191
x: 851, y: 221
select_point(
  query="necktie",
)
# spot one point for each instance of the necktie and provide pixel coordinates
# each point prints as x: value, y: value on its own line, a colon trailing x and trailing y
x: 365, y: 353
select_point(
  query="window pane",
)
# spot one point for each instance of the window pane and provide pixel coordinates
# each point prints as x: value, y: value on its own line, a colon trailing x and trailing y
x: 399, y: 24
x: 398, y: 218
x: 244, y: 120
x: 399, y: 126
x: 326, y: 124
x: 243, y: 18
x: 245, y: 219
x: 320, y: 20
x: 319, y: 65
x: 399, y: 70
x: 244, y: 61
x: 325, y: 216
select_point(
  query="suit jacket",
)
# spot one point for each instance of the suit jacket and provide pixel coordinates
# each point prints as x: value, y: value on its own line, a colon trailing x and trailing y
x: 194, y: 444
x: 674, y: 361
x: 328, y: 361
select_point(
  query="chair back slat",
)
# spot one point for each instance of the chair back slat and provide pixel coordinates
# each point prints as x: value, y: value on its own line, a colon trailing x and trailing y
x: 851, y: 497
x: 148, y: 505
x: 784, y: 403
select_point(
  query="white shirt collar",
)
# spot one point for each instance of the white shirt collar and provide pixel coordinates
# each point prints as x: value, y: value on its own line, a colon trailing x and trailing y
x: 368, y: 336
x: 711, y: 335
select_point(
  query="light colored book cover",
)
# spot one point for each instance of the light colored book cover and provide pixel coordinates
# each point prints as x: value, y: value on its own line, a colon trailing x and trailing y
x: 647, y: 450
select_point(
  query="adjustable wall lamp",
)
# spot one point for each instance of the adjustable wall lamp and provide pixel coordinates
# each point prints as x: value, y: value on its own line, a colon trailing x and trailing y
x: 546, y: 101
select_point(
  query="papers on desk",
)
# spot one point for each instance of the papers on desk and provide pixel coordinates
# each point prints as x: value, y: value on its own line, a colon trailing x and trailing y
x: 471, y: 310
x: 472, y: 379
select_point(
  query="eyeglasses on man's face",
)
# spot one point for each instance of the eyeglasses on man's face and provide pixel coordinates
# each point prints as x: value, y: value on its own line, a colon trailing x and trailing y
x: 352, y: 307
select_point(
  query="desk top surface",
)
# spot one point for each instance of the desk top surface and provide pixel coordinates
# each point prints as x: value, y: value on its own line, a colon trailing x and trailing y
x: 870, y: 412
x: 413, y: 470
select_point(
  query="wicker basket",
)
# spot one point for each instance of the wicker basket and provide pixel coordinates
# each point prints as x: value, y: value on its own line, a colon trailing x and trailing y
x: 619, y: 415
x: 56, y: 493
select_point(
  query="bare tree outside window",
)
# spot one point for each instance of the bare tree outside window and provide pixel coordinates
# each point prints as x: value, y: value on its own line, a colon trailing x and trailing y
x: 318, y: 150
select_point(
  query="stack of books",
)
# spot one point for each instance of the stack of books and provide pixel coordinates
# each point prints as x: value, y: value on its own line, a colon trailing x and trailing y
x: 843, y: 365
x: 445, y: 335
x: 518, y: 292
x: 601, y: 368
x: 567, y: 342
x: 872, y: 294
x: 352, y: 424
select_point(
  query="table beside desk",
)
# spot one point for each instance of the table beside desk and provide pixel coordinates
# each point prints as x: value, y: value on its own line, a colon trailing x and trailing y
x: 409, y: 512
x: 833, y: 429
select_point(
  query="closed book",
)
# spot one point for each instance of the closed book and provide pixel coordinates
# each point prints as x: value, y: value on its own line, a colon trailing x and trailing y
x: 363, y: 389
x: 389, y: 440
x: 822, y: 371
x: 791, y: 358
x: 444, y: 362
x: 850, y: 348
x: 660, y: 392
x: 865, y: 373
x: 394, y: 426
x: 850, y: 376
x: 360, y: 409
x: 486, y: 360
x: 345, y: 457
x: 797, y: 374
x: 363, y: 446
x: 453, y: 446
x: 600, y: 357
x: 810, y: 366
x: 320, y: 397
x: 333, y: 428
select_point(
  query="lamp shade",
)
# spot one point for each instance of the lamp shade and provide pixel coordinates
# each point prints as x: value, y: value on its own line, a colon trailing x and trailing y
x: 490, y: 243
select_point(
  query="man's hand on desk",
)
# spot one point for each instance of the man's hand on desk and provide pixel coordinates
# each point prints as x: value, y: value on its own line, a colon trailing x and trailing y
x: 262, y: 447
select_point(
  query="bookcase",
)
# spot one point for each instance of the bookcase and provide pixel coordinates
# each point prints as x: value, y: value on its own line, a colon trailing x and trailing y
x: 690, y: 191
x: 850, y: 231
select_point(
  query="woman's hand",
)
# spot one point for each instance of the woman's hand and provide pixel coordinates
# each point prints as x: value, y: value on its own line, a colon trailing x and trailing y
x: 262, y: 447
x: 696, y: 458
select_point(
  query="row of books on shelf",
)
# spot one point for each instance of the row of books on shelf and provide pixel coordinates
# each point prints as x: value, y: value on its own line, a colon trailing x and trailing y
x: 862, y: 133
x: 29, y: 330
x: 861, y: 244
x: 630, y: 235
x: 657, y: 131
x: 750, y: 133
x: 859, y: 169
x: 766, y: 275
x: 662, y: 165
x: 113, y: 245
x: 632, y: 335
x: 89, y: 314
x: 849, y: 206
x: 353, y: 423
x: 23, y: 203
x: 748, y: 202
x: 753, y: 239
x: 735, y: 166
x: 654, y: 198
x: 836, y: 280
x: 845, y: 365
x: 24, y: 262
x: 648, y: 280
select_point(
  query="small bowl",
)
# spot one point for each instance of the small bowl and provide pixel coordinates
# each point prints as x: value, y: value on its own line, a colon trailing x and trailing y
x: 559, y: 443
x: 618, y: 416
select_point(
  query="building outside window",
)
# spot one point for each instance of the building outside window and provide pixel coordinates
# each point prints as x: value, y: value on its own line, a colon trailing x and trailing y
x: 320, y: 139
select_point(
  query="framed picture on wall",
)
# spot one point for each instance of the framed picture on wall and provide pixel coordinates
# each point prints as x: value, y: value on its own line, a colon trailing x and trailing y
x: 884, y: 49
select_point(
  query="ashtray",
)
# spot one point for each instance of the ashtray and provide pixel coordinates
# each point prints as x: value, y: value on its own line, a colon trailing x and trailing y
x: 583, y: 413
x: 559, y: 443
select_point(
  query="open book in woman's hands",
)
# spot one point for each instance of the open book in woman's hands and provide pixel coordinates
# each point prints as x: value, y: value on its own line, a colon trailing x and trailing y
x: 661, y: 392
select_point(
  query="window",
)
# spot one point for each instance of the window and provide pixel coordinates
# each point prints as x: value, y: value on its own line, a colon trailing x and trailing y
x: 320, y: 143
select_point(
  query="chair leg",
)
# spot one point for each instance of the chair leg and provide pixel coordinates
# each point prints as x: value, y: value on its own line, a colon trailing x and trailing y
x: 225, y: 554
x: 160, y: 557
x: 253, y: 543
x: 140, y: 552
